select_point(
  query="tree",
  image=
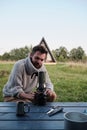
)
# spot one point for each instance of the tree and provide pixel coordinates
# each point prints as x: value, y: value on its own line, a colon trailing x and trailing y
x: 72, y: 54
x: 17, y: 54
x: 6, y: 56
x: 80, y: 53
x: 77, y: 54
x: 61, y: 54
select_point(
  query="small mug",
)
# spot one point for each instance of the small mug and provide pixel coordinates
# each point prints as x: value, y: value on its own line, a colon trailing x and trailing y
x: 22, y: 108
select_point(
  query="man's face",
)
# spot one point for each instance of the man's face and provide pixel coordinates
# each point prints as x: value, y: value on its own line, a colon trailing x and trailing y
x: 38, y: 59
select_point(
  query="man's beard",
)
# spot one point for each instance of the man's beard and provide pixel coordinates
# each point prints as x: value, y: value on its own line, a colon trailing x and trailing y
x: 36, y: 64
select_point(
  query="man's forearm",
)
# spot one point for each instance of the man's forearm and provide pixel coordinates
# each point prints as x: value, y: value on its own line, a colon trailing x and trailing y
x: 29, y: 96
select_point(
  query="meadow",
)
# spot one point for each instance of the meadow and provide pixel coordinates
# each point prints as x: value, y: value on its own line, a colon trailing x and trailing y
x: 69, y: 80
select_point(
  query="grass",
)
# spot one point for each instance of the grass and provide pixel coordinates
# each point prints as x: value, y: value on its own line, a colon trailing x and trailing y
x: 69, y: 80
x: 5, y: 69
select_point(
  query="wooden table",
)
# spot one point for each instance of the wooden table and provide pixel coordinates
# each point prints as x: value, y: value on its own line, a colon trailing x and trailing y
x: 36, y: 119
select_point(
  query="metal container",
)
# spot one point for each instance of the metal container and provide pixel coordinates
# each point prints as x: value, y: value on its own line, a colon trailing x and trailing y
x: 75, y: 120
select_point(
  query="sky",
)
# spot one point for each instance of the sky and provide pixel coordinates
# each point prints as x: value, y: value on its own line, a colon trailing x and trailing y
x: 60, y: 22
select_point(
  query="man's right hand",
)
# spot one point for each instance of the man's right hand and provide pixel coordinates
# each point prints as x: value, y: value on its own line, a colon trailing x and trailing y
x: 29, y: 96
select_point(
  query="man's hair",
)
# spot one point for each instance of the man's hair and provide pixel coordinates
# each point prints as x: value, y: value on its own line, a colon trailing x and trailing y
x: 39, y: 48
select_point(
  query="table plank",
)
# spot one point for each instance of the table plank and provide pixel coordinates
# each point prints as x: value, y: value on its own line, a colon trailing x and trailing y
x: 66, y: 104
x: 31, y: 116
x: 34, y: 116
x: 32, y: 125
x: 70, y: 104
x: 42, y: 110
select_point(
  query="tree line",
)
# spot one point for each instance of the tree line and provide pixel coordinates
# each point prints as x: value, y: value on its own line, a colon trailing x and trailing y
x: 75, y: 54
x: 61, y: 54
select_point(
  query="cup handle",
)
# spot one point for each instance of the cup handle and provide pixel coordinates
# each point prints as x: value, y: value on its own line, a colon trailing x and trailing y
x: 26, y: 108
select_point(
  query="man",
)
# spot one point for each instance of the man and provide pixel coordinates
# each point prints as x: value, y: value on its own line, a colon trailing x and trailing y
x: 21, y: 83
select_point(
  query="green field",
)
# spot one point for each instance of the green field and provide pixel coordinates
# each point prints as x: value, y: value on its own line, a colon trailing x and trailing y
x: 69, y: 80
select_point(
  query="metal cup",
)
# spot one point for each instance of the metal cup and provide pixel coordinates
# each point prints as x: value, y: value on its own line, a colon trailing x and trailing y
x: 75, y: 120
x: 22, y: 108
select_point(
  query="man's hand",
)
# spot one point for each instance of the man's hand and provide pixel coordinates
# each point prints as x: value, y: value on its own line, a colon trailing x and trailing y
x: 51, y: 95
x: 29, y: 96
